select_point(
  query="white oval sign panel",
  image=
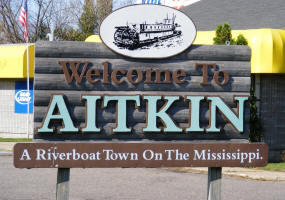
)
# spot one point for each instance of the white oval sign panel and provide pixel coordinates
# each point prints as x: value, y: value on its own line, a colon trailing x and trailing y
x: 147, y: 31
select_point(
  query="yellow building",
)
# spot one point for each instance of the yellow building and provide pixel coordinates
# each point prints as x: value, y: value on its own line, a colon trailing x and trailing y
x: 13, y: 73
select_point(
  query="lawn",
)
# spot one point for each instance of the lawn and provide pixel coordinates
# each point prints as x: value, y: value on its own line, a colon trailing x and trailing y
x: 280, y: 167
x: 15, y: 140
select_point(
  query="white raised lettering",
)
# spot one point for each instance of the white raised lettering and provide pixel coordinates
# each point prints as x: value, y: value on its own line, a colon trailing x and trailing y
x: 40, y: 154
x: 26, y: 155
x: 148, y: 155
x: 169, y: 152
x: 200, y: 156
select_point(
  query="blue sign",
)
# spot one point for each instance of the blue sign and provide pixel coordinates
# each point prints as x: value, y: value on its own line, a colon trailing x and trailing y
x: 23, y: 97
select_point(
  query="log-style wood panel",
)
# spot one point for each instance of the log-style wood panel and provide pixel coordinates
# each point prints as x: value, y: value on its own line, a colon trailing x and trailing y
x: 50, y: 79
x: 42, y: 97
x: 97, y: 50
x: 50, y: 65
x: 178, y: 113
x: 58, y: 82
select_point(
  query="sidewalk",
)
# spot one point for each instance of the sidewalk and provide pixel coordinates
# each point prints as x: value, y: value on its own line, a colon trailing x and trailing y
x: 6, y: 148
x: 248, y: 173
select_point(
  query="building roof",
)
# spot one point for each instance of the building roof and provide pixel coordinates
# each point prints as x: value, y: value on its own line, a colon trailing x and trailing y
x: 240, y: 14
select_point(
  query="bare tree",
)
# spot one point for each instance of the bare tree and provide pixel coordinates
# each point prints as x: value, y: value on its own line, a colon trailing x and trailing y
x: 85, y: 24
x: 41, y: 22
x: 10, y: 30
x: 66, y: 13
x: 103, y: 9
x: 44, y: 13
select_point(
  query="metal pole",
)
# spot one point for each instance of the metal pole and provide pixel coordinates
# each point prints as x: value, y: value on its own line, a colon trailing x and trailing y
x: 214, y: 183
x: 62, y: 186
x: 28, y: 89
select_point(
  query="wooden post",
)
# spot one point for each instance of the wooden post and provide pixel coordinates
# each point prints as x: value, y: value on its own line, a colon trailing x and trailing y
x: 214, y: 183
x: 62, y: 186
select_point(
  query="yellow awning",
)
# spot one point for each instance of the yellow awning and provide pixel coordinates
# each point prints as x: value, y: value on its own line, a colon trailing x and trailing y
x: 267, y: 45
x: 93, y: 38
x: 13, y: 60
x: 267, y: 48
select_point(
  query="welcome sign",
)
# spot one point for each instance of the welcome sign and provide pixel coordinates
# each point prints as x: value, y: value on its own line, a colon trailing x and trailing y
x: 186, y: 110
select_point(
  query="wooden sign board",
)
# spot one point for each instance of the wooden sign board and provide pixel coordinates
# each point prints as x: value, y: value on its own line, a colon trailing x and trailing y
x: 83, y: 91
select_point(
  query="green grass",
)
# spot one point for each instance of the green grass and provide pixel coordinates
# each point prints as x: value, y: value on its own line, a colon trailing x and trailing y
x: 15, y: 140
x: 280, y: 167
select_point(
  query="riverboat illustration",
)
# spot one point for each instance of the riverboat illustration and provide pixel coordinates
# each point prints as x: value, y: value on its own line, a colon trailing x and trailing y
x: 134, y: 36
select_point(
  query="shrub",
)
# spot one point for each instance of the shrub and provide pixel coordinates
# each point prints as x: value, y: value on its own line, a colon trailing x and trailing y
x: 241, y: 40
x: 224, y: 35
